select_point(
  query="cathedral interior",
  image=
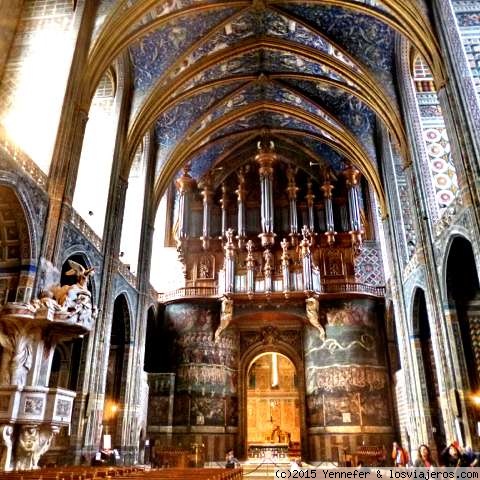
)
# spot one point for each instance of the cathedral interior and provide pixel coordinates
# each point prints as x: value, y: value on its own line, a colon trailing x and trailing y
x: 247, y: 224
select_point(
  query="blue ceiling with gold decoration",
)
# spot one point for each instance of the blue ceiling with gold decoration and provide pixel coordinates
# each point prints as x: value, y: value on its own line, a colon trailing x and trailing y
x: 216, y: 73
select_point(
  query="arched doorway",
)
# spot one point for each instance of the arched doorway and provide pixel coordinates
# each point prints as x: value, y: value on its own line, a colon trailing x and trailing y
x: 428, y: 372
x: 117, y: 369
x: 463, y: 292
x: 464, y: 299
x: 273, y: 407
x: 153, y: 359
x: 295, y: 380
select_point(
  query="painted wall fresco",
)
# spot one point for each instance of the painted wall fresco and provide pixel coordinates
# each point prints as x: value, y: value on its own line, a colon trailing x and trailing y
x: 160, y: 399
x: 346, y: 378
x: 206, y: 370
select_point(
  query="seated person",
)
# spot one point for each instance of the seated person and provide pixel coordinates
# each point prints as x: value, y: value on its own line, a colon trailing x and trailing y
x: 230, y: 460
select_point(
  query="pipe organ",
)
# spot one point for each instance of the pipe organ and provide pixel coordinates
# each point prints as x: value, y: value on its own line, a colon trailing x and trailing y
x: 267, y: 250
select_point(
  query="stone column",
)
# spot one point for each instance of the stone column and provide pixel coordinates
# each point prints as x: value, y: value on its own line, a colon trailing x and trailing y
x: 68, y: 144
x: 265, y: 159
x: 459, y: 85
x: 134, y: 417
x: 89, y: 403
x: 101, y: 339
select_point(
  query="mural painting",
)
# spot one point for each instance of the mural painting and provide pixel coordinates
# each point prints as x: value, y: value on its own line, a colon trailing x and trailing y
x: 346, y: 377
x: 206, y: 368
x: 160, y: 398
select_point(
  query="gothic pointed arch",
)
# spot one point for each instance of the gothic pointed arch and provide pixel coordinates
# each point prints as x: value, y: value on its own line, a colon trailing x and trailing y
x: 463, y: 293
x: 117, y: 367
x: 424, y: 346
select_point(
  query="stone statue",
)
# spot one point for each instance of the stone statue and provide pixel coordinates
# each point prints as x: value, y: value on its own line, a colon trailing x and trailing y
x: 226, y: 316
x: 6, y: 443
x: 229, y: 235
x: 32, y: 444
x: 26, y: 446
x: 268, y: 262
x: 73, y: 301
x: 312, y: 307
x: 306, y: 242
x: 65, y: 294
x: 16, y: 359
x: 21, y: 361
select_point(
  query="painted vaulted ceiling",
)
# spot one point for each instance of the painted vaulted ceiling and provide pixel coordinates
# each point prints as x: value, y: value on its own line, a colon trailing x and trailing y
x: 210, y: 76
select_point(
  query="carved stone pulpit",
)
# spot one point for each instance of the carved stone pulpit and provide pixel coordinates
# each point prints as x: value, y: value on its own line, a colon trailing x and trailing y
x: 30, y: 412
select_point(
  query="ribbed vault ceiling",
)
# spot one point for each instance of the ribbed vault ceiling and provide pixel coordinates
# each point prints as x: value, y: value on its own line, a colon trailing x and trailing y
x: 210, y: 76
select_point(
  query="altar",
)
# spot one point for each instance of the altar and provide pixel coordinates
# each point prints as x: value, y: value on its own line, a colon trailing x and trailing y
x: 275, y: 452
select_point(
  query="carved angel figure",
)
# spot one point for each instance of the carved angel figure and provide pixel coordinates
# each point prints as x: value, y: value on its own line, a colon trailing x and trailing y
x: 226, y: 316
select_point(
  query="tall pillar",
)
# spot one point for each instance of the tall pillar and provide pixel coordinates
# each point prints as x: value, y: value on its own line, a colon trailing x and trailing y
x: 241, y: 194
x: 459, y: 85
x: 207, y: 194
x: 135, y: 389
x: 292, y: 190
x: 265, y: 159
x: 327, y: 189
x: 95, y: 384
x: 185, y: 185
x: 69, y: 140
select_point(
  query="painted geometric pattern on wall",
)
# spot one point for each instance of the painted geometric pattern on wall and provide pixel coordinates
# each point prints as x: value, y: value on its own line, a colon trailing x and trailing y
x: 468, y: 19
x: 444, y: 177
x: 369, y: 267
x: 472, y: 49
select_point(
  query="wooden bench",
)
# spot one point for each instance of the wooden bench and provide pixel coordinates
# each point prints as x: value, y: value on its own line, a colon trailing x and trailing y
x: 126, y: 473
